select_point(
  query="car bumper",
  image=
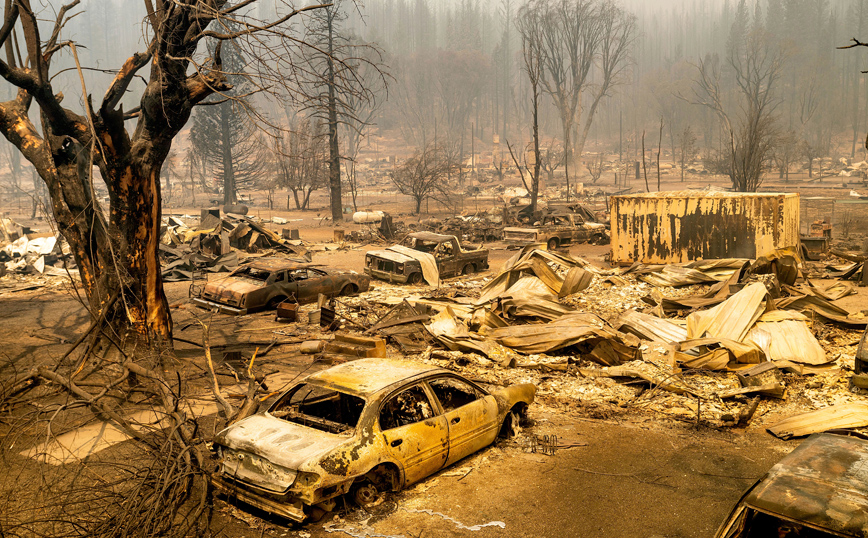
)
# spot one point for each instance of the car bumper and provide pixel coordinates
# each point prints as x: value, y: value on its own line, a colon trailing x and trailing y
x: 222, y: 308
x: 385, y: 275
x: 289, y: 508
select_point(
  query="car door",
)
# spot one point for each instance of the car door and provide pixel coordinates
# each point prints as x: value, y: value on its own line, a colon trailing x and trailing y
x: 302, y: 290
x: 581, y: 232
x: 415, y: 432
x: 284, y: 286
x: 470, y: 414
x: 447, y: 259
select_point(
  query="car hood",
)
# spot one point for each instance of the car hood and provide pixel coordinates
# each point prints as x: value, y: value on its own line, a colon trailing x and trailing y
x: 391, y: 255
x: 233, y: 286
x: 278, y: 441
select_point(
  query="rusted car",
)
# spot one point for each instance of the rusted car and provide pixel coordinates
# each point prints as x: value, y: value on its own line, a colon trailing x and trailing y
x: 266, y: 282
x: 557, y: 230
x: 819, y: 490
x: 360, y: 428
x: 405, y: 263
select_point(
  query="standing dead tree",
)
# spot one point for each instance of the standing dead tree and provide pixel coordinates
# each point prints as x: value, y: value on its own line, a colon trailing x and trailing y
x: 117, y: 253
x: 584, y: 47
x: 528, y: 22
x: 424, y: 175
x: 342, y: 77
x: 301, y: 154
x: 756, y: 66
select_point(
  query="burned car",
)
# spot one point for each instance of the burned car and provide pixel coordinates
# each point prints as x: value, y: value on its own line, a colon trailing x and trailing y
x: 360, y: 428
x: 266, y: 282
x: 425, y: 256
x: 818, y: 490
x: 558, y: 229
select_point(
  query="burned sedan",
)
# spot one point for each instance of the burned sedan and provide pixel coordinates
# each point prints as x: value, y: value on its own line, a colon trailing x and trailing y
x: 818, y: 490
x: 363, y: 428
x: 266, y: 282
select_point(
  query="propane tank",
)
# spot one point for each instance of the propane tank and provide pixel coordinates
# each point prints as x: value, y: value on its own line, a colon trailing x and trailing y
x: 368, y: 217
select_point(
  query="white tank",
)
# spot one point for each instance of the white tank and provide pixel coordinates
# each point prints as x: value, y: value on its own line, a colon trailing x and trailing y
x: 368, y: 217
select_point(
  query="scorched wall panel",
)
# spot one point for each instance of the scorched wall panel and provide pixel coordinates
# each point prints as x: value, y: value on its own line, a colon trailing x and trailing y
x: 675, y: 227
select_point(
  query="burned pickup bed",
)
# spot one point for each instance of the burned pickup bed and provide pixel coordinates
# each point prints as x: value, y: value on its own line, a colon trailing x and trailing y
x: 425, y: 256
x: 265, y: 283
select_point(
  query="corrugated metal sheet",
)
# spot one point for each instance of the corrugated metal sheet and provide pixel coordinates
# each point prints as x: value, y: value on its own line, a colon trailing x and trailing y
x: 682, y: 226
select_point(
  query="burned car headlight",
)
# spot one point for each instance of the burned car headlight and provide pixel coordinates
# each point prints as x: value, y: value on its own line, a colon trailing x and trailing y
x: 305, y: 480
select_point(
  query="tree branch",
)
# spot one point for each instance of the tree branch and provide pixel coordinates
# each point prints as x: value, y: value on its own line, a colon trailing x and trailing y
x: 122, y: 80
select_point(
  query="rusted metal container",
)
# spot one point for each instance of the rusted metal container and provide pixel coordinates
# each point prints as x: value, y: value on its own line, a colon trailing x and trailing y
x: 288, y: 310
x: 681, y: 226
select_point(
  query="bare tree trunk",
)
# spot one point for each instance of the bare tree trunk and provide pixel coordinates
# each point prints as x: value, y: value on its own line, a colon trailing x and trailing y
x: 644, y: 170
x: 536, y: 152
x: 567, y: 156
x: 659, y: 150
x: 334, y: 153
x: 229, y: 188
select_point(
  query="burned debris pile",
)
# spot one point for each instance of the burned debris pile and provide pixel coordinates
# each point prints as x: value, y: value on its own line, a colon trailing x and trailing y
x: 214, y: 244
x: 30, y: 254
x: 721, y: 342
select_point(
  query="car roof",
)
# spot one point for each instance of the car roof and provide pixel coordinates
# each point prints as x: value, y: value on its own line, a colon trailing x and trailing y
x: 368, y: 376
x: 823, y: 482
x: 431, y: 236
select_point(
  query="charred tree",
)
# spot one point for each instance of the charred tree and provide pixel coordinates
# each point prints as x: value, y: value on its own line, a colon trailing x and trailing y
x: 224, y: 133
x: 424, y: 175
x: 117, y: 251
x: 335, y: 85
x: 527, y: 23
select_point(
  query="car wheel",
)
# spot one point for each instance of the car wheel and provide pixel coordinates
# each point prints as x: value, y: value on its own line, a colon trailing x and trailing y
x: 553, y: 243
x: 513, y: 422
x: 415, y: 278
x: 468, y: 269
x: 367, y: 495
x: 371, y: 491
x: 274, y: 301
x: 349, y: 289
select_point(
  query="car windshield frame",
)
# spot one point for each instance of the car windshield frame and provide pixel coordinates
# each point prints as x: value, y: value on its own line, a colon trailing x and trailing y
x: 291, y: 410
x: 252, y: 273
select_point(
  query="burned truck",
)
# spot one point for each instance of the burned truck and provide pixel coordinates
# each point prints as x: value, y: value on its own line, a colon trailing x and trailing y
x: 425, y: 256
x: 558, y: 229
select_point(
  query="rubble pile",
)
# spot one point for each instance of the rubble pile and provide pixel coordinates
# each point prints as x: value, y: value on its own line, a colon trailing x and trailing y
x: 215, y: 243
x: 722, y: 342
x: 28, y: 252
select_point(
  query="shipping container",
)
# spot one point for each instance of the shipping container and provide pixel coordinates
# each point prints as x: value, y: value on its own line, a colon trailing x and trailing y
x: 682, y: 226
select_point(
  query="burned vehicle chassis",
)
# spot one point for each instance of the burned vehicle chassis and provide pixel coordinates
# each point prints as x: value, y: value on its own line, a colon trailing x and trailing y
x: 331, y: 435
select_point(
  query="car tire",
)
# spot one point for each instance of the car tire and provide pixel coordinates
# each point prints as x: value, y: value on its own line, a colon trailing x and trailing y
x: 348, y: 289
x: 371, y: 491
x: 553, y: 243
x: 415, y: 278
x: 513, y: 422
x: 274, y: 301
x: 468, y: 269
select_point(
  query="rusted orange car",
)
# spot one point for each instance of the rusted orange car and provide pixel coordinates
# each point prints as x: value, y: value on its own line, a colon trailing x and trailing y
x: 360, y: 428
x: 266, y: 282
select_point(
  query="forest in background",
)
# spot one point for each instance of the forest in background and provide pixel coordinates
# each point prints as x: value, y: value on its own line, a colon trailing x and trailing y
x: 456, y: 78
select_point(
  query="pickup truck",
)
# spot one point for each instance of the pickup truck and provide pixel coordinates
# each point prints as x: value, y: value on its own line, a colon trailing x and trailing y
x: 441, y: 255
x: 558, y: 229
